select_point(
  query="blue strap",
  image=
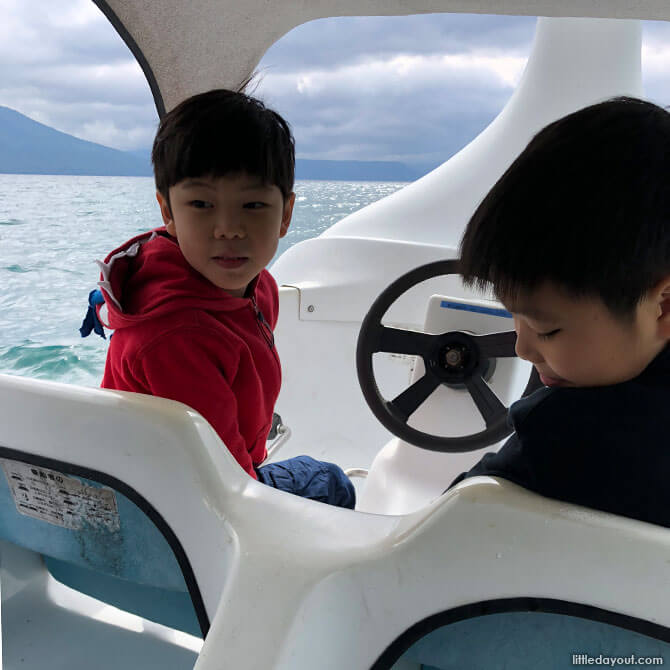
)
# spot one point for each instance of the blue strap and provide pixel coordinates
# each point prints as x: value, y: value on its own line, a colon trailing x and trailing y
x: 91, y: 321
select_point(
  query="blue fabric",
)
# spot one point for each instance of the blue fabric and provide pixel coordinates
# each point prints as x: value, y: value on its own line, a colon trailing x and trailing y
x: 309, y: 478
x: 91, y: 321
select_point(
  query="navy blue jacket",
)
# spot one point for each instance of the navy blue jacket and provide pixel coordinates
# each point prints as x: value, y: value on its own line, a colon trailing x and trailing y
x: 604, y: 447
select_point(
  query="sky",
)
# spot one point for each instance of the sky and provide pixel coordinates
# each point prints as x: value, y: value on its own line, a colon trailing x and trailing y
x: 412, y: 89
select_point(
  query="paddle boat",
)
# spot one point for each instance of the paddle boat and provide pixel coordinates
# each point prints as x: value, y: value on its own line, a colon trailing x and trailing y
x: 130, y: 537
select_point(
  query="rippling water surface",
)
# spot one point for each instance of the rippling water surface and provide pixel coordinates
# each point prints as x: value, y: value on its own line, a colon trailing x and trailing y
x: 52, y: 228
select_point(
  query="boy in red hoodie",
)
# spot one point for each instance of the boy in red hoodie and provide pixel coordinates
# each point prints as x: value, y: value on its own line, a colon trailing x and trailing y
x: 192, y: 305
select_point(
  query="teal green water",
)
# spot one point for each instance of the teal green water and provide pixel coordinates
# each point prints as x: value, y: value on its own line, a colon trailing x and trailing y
x: 53, y: 228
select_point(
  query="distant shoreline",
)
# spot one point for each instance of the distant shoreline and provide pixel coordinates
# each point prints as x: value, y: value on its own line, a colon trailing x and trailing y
x: 150, y: 176
x: 31, y: 148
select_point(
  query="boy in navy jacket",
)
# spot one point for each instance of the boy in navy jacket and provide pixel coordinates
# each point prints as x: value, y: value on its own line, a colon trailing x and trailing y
x: 574, y: 239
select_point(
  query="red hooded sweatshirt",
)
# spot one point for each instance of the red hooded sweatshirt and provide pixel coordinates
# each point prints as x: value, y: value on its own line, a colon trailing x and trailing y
x: 179, y: 336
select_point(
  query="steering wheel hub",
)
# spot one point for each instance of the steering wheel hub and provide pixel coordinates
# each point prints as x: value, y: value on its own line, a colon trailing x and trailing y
x: 457, y: 358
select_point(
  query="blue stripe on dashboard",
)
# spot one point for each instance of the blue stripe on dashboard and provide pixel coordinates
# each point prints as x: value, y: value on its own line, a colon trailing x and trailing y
x: 475, y: 308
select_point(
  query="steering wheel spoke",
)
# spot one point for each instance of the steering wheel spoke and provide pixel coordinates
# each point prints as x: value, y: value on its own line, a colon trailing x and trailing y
x: 399, y: 341
x: 414, y: 396
x: 487, y: 401
x: 497, y: 345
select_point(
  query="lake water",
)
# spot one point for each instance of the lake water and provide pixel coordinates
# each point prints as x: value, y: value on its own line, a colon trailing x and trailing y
x: 53, y: 228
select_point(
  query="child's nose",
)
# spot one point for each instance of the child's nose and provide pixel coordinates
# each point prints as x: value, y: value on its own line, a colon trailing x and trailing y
x: 229, y: 226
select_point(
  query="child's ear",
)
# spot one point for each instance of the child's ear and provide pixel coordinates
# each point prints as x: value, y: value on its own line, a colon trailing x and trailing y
x: 287, y: 214
x: 166, y: 213
x: 663, y: 293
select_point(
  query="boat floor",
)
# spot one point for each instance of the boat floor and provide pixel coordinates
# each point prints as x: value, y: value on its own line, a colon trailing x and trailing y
x: 47, y: 625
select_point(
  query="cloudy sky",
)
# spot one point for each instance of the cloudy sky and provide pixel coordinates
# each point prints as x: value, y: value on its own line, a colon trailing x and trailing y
x: 379, y: 88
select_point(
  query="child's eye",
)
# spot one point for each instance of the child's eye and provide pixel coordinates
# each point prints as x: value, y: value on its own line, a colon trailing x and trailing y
x: 200, y: 204
x: 546, y: 336
x: 254, y: 205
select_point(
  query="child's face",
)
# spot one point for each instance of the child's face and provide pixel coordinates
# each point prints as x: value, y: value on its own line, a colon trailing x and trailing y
x: 227, y: 227
x: 579, y: 342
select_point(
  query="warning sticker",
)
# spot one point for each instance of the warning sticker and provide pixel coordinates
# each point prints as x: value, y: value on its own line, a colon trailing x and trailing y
x: 58, y: 499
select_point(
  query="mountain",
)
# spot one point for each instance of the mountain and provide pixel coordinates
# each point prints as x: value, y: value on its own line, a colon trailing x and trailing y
x: 29, y: 147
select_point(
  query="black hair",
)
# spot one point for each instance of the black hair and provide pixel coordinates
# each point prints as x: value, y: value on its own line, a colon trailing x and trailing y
x: 223, y: 132
x: 586, y: 206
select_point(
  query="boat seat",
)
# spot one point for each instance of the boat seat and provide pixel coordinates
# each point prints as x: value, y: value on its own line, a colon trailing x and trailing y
x: 489, y: 575
x: 114, y: 495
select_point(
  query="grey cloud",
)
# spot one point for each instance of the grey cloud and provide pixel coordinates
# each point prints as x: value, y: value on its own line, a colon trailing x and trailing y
x: 336, y: 41
x: 63, y: 64
x: 414, y: 121
x: 72, y: 71
x: 426, y: 125
x: 75, y: 85
x: 39, y: 31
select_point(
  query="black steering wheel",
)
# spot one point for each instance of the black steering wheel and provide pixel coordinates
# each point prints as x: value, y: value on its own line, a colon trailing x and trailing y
x: 454, y: 358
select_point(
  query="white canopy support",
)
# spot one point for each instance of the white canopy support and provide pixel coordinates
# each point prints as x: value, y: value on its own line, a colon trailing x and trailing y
x: 188, y: 47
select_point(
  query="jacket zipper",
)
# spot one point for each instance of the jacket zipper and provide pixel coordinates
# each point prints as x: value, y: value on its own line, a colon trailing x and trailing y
x: 263, y: 326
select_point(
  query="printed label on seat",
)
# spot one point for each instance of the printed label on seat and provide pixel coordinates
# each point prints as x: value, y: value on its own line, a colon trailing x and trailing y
x: 64, y: 501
